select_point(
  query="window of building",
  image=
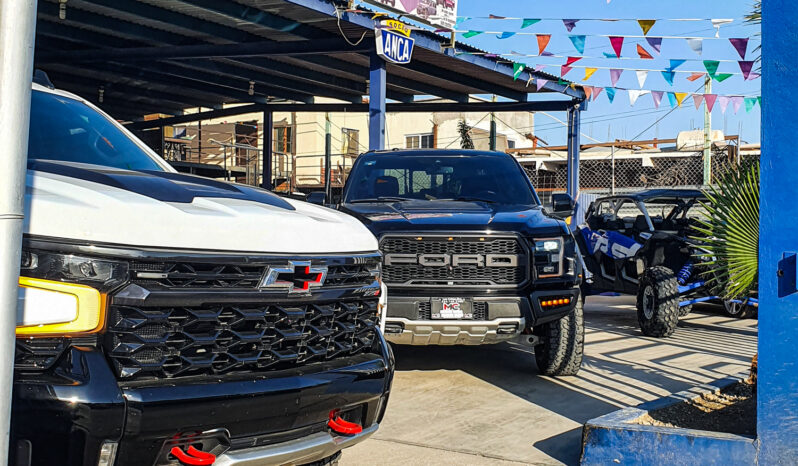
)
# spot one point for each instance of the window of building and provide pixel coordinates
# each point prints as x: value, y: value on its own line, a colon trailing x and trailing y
x: 283, y: 139
x: 351, y: 141
x: 420, y: 141
x: 510, y: 144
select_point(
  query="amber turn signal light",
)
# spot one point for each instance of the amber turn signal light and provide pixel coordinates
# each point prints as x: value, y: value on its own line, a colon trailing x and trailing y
x: 555, y: 302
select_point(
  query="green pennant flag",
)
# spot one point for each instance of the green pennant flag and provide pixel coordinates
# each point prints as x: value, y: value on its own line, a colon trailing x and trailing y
x: 562, y: 82
x: 750, y: 103
x: 518, y: 68
x: 759, y: 100
x: 721, y: 77
x: 711, y: 66
x: 529, y: 22
x: 470, y: 34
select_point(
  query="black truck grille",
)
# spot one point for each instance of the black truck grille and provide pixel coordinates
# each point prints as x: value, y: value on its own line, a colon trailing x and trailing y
x: 166, y: 342
x: 448, y: 248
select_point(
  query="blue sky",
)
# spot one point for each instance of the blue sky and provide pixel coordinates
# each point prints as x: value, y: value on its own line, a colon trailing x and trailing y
x: 620, y: 120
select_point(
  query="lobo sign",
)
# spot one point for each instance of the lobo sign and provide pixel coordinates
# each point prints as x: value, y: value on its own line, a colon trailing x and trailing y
x: 394, y: 43
x: 439, y: 13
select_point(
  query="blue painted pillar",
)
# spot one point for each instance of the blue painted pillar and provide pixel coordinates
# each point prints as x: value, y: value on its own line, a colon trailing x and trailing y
x: 573, y: 150
x: 377, y: 76
x: 777, y: 405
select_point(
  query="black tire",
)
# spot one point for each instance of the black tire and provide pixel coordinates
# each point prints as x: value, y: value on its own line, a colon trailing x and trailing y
x: 684, y: 310
x: 658, y: 302
x: 562, y: 344
x: 739, y: 310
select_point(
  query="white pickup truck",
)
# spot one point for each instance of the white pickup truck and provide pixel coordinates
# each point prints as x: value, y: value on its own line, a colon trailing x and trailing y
x: 170, y: 319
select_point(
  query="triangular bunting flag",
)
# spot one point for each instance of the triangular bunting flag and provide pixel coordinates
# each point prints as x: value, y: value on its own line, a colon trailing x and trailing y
x: 740, y: 45
x: 617, y: 45
x: 571, y: 60
x: 745, y: 67
x: 759, y: 100
x: 657, y: 97
x: 461, y: 20
x: 655, y: 43
x: 634, y: 95
x: 695, y: 76
x: 696, y: 44
x: 724, y: 102
x: 698, y: 99
x: 609, y: 55
x: 579, y: 43
x: 570, y: 24
x: 546, y: 53
x: 589, y: 72
x: 675, y: 64
x: 641, y: 77
x: 736, y: 103
x: 672, y: 99
x: 494, y: 16
x: 588, y: 92
x: 750, y: 103
x: 529, y: 22
x: 643, y: 53
x: 564, y: 70
x: 541, y: 83
x: 615, y: 75
x: 668, y: 75
x: 610, y: 93
x: 646, y: 25
x: 710, y: 100
x: 722, y: 77
x: 543, y: 42
x: 518, y: 68
x: 540, y: 67
x: 596, y: 92
x: 470, y: 34
x: 505, y: 35
x: 711, y: 66
x: 680, y: 96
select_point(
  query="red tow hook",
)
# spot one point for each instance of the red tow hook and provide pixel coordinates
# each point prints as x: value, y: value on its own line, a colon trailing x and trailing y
x: 340, y: 426
x: 192, y: 456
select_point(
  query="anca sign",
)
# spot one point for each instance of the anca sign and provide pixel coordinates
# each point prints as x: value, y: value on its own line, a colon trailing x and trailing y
x: 394, y: 43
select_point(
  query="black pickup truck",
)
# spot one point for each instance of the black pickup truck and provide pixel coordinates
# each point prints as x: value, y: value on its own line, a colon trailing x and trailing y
x: 470, y: 255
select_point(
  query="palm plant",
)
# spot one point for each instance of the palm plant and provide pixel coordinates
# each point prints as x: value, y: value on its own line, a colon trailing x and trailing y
x: 755, y: 18
x: 731, y: 233
x: 465, y: 135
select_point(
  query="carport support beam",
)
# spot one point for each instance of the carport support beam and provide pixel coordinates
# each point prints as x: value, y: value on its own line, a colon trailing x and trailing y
x: 17, y: 36
x: 377, y: 81
x: 573, y: 150
x: 268, y: 125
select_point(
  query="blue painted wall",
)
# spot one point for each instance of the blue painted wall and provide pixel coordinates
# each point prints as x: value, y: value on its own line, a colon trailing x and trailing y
x: 777, y: 416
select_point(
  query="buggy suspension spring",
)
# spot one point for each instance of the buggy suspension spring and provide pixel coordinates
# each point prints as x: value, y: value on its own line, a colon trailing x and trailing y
x: 685, y: 273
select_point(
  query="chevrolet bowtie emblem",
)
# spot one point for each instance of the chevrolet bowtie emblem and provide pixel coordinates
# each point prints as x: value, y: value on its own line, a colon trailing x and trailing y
x: 296, y: 277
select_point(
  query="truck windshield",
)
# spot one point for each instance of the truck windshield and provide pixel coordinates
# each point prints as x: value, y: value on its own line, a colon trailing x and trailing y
x: 392, y: 177
x: 67, y: 130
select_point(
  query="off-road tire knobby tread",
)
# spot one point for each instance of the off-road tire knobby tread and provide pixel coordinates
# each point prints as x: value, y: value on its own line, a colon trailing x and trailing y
x: 666, y: 307
x: 563, y: 343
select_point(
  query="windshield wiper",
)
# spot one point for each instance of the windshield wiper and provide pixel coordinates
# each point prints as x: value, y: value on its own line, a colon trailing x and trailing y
x: 469, y: 199
x: 380, y: 199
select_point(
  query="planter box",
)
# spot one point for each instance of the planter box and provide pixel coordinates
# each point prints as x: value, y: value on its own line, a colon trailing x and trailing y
x: 615, y: 438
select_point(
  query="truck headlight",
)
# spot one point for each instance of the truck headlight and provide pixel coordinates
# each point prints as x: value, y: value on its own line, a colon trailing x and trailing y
x: 64, y: 294
x: 548, y: 257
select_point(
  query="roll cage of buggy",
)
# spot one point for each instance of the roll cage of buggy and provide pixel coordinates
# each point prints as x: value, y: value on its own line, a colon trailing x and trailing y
x: 640, y: 244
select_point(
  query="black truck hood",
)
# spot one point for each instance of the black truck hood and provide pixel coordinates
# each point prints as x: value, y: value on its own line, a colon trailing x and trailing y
x: 454, y: 216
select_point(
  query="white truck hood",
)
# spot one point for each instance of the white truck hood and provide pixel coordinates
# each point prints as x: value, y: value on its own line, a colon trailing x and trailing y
x: 89, y: 203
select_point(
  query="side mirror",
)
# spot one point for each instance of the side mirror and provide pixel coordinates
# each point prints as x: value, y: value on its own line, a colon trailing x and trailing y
x: 317, y: 197
x: 562, y: 205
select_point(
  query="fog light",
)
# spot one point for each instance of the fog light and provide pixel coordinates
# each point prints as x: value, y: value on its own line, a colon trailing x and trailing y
x: 107, y: 453
x: 557, y: 301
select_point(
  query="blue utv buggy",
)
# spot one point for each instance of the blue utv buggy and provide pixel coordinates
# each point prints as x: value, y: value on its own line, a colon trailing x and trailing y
x: 640, y: 244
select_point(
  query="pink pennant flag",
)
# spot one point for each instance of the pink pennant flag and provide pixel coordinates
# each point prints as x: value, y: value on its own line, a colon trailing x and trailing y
x: 617, y: 45
x: 570, y: 24
x: 745, y: 67
x: 710, y: 100
x: 740, y: 45
x: 736, y: 102
x: 540, y: 83
x: 615, y: 75
x: 540, y: 67
x: 657, y: 96
x: 724, y: 103
x: 588, y: 92
x: 695, y: 76
x: 596, y: 92
x: 698, y: 99
x: 564, y: 70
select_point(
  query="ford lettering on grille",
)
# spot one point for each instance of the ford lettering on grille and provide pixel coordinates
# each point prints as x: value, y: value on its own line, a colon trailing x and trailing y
x: 455, y: 260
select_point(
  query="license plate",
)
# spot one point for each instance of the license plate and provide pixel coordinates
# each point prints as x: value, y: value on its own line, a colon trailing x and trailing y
x: 452, y: 308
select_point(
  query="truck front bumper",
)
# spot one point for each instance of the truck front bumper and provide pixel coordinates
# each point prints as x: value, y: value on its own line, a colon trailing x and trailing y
x: 452, y: 332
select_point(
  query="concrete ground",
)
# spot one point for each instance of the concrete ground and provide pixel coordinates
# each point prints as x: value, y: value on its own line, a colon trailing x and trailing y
x: 488, y: 405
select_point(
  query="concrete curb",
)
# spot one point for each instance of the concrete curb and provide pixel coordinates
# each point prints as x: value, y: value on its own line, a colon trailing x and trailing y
x: 613, y: 439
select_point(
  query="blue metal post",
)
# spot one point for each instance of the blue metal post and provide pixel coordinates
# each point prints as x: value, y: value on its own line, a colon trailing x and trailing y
x: 377, y: 77
x: 777, y: 403
x: 573, y: 151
